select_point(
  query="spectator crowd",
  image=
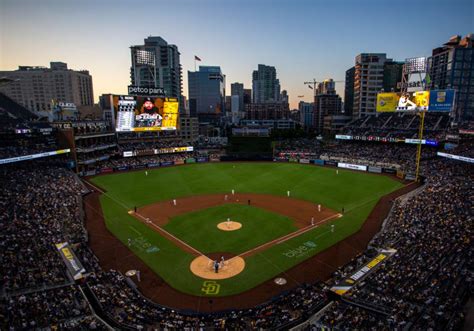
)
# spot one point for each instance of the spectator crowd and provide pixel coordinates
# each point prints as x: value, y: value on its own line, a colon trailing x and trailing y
x: 425, y: 284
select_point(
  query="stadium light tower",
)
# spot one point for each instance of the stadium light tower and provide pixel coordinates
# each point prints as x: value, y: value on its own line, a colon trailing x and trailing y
x: 416, y: 67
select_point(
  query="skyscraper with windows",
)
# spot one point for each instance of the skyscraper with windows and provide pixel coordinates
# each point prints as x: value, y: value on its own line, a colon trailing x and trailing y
x: 326, y: 103
x: 37, y: 88
x: 451, y: 66
x: 157, y: 64
x: 265, y: 85
x: 238, y: 89
x: 349, y: 92
x: 207, y: 93
x: 368, y: 81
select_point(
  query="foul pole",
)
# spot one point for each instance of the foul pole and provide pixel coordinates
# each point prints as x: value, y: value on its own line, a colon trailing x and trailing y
x: 420, y: 137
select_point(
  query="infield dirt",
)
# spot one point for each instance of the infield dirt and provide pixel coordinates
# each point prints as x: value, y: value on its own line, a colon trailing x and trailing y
x: 113, y: 254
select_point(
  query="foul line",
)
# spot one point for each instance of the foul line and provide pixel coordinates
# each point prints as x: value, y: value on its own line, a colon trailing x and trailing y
x: 290, y: 235
x: 160, y: 229
x: 95, y: 187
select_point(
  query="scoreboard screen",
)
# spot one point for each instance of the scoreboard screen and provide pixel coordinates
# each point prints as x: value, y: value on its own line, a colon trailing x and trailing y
x: 139, y: 113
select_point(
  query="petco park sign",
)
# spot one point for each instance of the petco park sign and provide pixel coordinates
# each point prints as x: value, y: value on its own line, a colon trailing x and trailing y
x: 145, y: 91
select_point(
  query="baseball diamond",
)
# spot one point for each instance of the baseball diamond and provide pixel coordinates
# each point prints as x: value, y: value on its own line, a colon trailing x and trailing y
x: 178, y: 210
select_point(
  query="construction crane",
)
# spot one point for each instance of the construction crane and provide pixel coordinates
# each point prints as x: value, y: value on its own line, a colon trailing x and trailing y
x: 312, y: 84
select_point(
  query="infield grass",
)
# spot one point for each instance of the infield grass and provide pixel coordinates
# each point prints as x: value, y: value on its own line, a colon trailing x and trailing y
x: 199, y: 229
x: 356, y: 192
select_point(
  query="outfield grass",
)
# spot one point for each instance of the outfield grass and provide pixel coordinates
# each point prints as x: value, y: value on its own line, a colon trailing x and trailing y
x: 199, y: 229
x: 356, y: 192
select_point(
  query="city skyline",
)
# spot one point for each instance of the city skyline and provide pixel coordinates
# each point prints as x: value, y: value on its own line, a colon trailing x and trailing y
x: 298, y: 38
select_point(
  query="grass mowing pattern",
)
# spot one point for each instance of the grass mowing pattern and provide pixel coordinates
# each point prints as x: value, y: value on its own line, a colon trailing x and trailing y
x: 356, y: 192
x: 258, y: 227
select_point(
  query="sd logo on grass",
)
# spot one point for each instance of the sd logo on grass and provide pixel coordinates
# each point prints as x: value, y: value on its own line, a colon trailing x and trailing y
x: 210, y: 287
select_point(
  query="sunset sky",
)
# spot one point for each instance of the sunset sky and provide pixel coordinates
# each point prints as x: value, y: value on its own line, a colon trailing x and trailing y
x: 303, y: 39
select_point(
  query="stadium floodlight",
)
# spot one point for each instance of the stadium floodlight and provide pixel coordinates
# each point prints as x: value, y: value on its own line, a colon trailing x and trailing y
x: 144, y: 57
x: 415, y: 64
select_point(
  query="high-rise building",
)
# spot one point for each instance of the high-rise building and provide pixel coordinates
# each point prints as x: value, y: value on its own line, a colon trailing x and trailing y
x: 265, y: 85
x: 349, y: 92
x: 284, y: 98
x: 392, y: 76
x: 38, y: 88
x: 156, y: 64
x: 306, y: 110
x: 328, y: 86
x: 326, y: 102
x: 267, y: 111
x: 451, y: 66
x: 238, y: 89
x: 247, y: 96
x: 207, y: 93
x: 368, y: 81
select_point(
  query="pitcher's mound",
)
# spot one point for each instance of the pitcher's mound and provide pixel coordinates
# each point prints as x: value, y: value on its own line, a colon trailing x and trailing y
x: 203, y: 267
x: 229, y: 226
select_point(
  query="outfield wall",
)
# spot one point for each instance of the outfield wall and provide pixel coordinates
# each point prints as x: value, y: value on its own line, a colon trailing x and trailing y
x: 319, y: 162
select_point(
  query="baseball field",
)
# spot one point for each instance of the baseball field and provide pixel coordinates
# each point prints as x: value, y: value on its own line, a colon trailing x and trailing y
x: 187, y: 217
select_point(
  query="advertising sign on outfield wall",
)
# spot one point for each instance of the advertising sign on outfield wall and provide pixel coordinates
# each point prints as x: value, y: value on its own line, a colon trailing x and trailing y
x: 318, y: 162
x: 389, y: 171
x: 305, y: 161
x: 330, y: 162
x: 352, y: 166
x: 377, y: 170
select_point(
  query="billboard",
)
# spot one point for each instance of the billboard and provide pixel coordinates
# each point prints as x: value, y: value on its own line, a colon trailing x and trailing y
x: 441, y: 100
x: 435, y: 100
x: 456, y: 157
x: 140, y: 113
x: 72, y: 262
x: 34, y: 156
x: 352, y: 166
